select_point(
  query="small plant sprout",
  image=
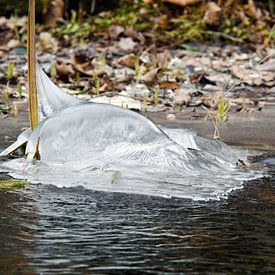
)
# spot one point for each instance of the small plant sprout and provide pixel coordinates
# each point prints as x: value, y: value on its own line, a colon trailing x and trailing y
x: 271, y: 37
x: 115, y: 176
x: 144, y: 105
x: 214, y: 119
x: 103, y: 63
x: 6, y: 98
x: 220, y: 115
x: 244, y: 107
x: 44, y: 6
x: 74, y: 30
x: 97, y: 85
x: 53, y: 71
x: 77, y: 77
x: 137, y: 67
x: 19, y: 89
x: 156, y: 95
x: 10, y: 71
x: 15, y: 110
x: 223, y: 108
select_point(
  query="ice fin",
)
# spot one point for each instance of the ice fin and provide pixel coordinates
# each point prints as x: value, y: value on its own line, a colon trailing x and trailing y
x: 21, y: 140
x: 51, y: 99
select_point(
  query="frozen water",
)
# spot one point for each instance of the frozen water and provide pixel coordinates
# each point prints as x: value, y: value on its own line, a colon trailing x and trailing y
x: 158, y: 168
x: 107, y: 148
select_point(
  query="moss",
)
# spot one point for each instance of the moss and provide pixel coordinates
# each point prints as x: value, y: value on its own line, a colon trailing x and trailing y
x: 11, y: 184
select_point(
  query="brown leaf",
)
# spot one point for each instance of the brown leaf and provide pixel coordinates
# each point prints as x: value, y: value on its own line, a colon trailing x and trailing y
x: 114, y: 31
x: 54, y: 12
x: 169, y: 85
x: 130, y: 32
x: 64, y: 70
x: 128, y: 60
x: 163, y: 59
x: 162, y: 21
x: 251, y: 9
x: 182, y: 98
x: 124, y: 79
x: 102, y: 89
x: 150, y: 76
x: 243, y: 163
x: 237, y: 72
x: 82, y: 64
x: 253, y: 77
x: 182, y: 3
x: 212, y: 14
x: 126, y: 44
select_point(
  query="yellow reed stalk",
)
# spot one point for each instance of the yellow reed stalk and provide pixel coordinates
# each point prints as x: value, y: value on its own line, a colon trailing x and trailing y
x: 33, y: 103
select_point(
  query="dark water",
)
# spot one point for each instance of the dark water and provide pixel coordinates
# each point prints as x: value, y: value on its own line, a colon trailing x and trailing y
x: 47, y: 230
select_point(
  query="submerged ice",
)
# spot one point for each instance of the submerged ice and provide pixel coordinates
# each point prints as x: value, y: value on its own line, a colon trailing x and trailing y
x: 107, y: 148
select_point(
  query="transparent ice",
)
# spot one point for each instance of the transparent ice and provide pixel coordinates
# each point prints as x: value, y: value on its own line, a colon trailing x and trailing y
x: 107, y: 148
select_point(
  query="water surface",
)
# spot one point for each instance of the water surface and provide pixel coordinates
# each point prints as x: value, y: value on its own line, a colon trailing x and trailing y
x: 50, y: 230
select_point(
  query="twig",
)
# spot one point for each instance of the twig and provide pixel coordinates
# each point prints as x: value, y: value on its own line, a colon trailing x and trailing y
x: 93, y: 5
x: 227, y: 36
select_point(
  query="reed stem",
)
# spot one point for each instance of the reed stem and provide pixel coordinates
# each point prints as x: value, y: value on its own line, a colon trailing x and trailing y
x: 33, y: 102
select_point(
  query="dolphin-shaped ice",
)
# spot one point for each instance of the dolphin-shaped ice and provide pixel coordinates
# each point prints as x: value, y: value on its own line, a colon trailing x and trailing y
x: 51, y: 99
x: 83, y: 143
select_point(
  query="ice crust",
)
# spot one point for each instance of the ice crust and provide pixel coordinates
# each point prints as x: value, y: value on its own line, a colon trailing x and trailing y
x: 107, y: 148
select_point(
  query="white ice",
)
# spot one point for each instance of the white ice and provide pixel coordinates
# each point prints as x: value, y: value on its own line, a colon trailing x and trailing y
x: 107, y: 148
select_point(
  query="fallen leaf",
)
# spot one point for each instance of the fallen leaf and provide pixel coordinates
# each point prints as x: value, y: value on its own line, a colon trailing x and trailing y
x: 253, y: 77
x: 128, y: 60
x: 268, y: 66
x: 102, y: 89
x: 163, y: 59
x: 201, y: 78
x: 171, y: 117
x: 212, y: 14
x: 150, y: 76
x: 130, y: 32
x: 121, y: 100
x: 114, y: 31
x: 182, y: 3
x: 169, y: 85
x: 64, y: 70
x: 124, y: 79
x: 13, y: 44
x: 46, y: 42
x: 54, y: 12
x: 243, y: 163
x: 82, y: 64
x: 126, y: 44
x: 182, y: 98
x: 251, y: 9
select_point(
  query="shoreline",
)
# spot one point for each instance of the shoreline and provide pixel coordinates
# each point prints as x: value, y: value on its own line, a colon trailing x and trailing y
x: 255, y: 129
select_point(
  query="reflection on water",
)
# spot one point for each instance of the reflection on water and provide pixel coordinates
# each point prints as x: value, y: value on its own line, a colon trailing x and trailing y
x: 50, y: 230
x: 17, y: 216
